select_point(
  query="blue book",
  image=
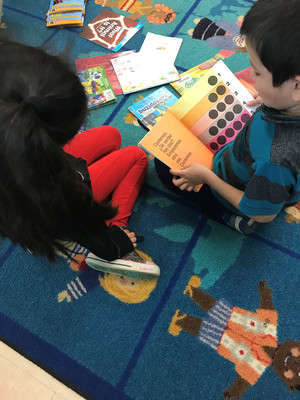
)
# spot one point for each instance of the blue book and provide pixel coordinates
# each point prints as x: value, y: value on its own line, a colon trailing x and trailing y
x: 151, y: 108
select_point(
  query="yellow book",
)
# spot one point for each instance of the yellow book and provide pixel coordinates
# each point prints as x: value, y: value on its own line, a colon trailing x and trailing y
x: 207, y: 117
x: 191, y: 76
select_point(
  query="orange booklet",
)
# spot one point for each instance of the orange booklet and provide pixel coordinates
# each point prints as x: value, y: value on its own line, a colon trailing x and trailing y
x: 207, y: 117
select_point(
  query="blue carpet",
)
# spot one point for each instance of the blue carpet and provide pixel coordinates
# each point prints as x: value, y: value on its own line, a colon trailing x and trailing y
x: 109, y: 344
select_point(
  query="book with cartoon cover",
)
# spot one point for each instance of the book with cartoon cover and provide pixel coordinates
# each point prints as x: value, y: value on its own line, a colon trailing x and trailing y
x: 150, y: 109
x: 60, y: 6
x: 97, y: 86
x: 74, y: 18
x: 110, y: 30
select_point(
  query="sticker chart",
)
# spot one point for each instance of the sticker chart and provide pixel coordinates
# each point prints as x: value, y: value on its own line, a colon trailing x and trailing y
x: 220, y: 112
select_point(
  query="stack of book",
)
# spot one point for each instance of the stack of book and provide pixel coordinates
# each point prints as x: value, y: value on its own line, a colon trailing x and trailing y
x: 66, y: 13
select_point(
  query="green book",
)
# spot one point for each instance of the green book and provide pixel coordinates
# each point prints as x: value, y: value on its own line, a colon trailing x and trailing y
x: 97, y: 87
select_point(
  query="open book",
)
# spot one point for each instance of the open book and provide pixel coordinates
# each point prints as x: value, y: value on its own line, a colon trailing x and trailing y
x: 208, y: 116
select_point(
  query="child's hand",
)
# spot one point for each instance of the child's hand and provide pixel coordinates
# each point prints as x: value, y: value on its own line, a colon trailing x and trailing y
x: 256, y: 101
x: 189, y: 177
x: 131, y: 236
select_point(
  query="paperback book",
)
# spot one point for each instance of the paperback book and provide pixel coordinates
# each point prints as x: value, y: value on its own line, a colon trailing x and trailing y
x: 191, y: 76
x: 110, y: 30
x: 151, y: 108
x: 60, y: 6
x: 207, y: 117
x: 105, y: 61
x: 97, y: 86
x: 138, y: 72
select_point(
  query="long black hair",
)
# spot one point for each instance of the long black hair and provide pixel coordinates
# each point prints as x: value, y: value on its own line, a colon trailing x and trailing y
x: 272, y: 28
x: 42, y: 106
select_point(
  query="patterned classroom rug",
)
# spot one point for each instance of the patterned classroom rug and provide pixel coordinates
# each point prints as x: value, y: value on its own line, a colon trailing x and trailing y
x: 115, y: 339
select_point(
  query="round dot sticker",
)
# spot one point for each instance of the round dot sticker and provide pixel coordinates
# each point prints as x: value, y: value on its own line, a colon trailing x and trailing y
x: 221, y: 89
x: 213, y: 97
x: 221, y: 139
x: 221, y: 123
x: 213, y: 131
x: 245, y: 117
x: 212, y: 80
x: 229, y: 132
x: 237, y: 125
x: 214, y: 146
x: 213, y: 114
x: 237, y: 108
x: 229, y: 99
x: 229, y: 116
x: 221, y: 106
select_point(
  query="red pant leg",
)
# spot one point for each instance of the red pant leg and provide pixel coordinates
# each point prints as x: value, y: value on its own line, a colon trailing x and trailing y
x: 120, y: 174
x: 95, y: 143
x: 113, y: 171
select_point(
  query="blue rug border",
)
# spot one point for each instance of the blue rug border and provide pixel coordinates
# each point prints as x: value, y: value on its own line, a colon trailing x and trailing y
x: 49, y: 358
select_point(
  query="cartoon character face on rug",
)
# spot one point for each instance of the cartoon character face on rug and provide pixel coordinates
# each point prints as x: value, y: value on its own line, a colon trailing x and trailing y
x: 157, y: 14
x: 127, y: 290
x: 222, y: 34
x: 247, y: 339
x: 293, y: 213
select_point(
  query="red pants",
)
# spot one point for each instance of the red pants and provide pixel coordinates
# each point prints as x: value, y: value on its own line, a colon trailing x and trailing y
x: 113, y: 171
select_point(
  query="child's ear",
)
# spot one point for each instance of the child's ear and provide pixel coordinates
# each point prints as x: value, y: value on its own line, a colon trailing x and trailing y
x: 296, y: 90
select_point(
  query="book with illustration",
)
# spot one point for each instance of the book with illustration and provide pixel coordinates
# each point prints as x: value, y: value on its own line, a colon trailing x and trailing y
x: 207, y: 117
x: 61, y: 6
x: 138, y: 71
x: 150, y: 109
x: 105, y: 61
x: 97, y: 87
x: 191, y: 76
x: 110, y: 30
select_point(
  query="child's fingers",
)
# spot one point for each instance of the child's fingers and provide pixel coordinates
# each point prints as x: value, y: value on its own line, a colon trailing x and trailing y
x: 175, y: 172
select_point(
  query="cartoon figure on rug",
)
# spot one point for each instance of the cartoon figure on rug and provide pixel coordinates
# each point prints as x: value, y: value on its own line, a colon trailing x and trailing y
x: 248, y: 339
x: 293, y: 213
x: 157, y: 14
x: 221, y: 34
x: 128, y: 290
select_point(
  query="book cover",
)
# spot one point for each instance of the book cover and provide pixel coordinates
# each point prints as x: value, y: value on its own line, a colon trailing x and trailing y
x: 138, y: 71
x: 151, y: 108
x: 74, y: 18
x: 97, y: 86
x: 191, y: 76
x: 110, y: 30
x: 207, y: 117
x: 66, y: 6
x: 105, y: 61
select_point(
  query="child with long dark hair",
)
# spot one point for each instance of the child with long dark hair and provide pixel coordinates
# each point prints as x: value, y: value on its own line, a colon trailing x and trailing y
x: 57, y: 185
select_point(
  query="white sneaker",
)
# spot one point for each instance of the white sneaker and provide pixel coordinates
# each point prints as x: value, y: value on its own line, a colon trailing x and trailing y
x: 132, y: 265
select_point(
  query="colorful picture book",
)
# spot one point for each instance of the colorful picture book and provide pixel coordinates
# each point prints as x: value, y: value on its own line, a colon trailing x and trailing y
x: 60, y: 6
x: 110, y: 30
x: 138, y: 72
x: 97, y: 86
x: 191, y: 76
x: 105, y: 61
x: 66, y: 13
x: 151, y: 108
x: 203, y: 120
